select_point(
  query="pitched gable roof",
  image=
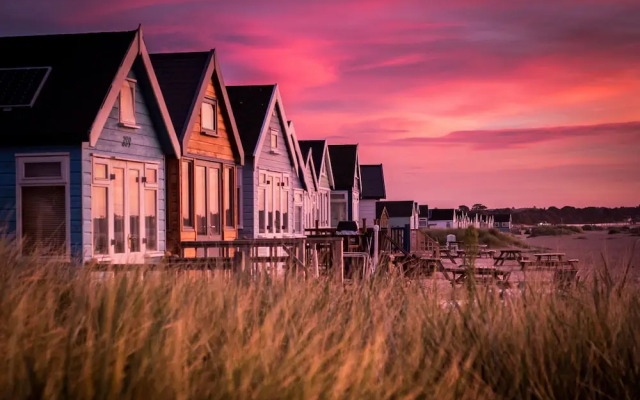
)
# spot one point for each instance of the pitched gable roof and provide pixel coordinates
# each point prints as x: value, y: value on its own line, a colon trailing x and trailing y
x: 316, y: 147
x: 253, y: 107
x: 373, y: 182
x: 396, y: 208
x: 442, y: 214
x: 180, y: 76
x: 250, y: 105
x: 305, y: 163
x: 87, y: 71
x: 184, y: 78
x: 502, y: 217
x: 424, y: 211
x: 321, y: 159
x: 344, y: 161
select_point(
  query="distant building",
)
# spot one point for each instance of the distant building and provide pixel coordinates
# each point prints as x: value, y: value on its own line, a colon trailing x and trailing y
x: 373, y: 190
x: 401, y: 213
x: 502, y: 222
x: 423, y: 217
x: 345, y: 198
x: 443, y: 218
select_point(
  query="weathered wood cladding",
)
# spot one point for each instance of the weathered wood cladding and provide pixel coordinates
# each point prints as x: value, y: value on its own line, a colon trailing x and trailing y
x: 218, y: 147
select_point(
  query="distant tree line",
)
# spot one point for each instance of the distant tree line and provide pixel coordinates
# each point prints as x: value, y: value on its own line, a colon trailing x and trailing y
x: 572, y: 215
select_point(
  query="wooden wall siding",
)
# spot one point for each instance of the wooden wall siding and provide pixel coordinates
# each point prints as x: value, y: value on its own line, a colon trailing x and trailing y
x: 324, y: 181
x: 8, y: 220
x: 280, y: 162
x: 216, y: 147
x: 308, y: 174
x: 173, y: 205
x: 249, y: 193
x: 144, y: 146
x: 368, y: 211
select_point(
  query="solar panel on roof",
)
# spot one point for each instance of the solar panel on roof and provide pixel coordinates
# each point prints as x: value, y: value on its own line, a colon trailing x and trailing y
x: 19, y: 87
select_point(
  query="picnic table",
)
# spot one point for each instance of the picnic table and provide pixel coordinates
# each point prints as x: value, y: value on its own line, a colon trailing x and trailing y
x: 508, y: 254
x: 549, y: 261
x: 460, y: 274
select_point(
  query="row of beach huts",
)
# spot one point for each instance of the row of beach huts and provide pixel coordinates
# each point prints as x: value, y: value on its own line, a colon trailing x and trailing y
x: 111, y: 154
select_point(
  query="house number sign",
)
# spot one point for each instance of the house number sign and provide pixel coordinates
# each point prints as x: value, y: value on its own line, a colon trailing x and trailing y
x: 126, y: 141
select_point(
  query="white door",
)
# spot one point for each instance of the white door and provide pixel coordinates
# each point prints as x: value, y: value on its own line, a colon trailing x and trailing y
x: 127, y: 212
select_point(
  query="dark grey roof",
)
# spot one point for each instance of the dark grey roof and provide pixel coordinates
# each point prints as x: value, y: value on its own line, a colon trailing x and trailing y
x: 372, y: 182
x: 343, y: 162
x: 501, y: 217
x: 83, y: 66
x: 317, y: 151
x: 180, y: 75
x: 441, y: 214
x: 396, y: 208
x: 250, y: 105
x: 424, y: 211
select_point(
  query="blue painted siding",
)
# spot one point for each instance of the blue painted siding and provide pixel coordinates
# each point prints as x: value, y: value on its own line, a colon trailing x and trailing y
x: 248, y: 191
x: 8, y: 206
x: 145, y: 147
x: 279, y: 162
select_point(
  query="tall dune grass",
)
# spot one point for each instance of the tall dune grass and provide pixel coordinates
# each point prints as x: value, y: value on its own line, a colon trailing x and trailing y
x: 71, y: 333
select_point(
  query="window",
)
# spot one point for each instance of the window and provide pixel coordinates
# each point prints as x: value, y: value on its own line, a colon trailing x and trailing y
x: 505, y: 224
x: 151, y: 207
x: 100, y: 192
x: 213, y: 192
x: 100, y: 219
x: 229, y: 194
x: 297, y: 212
x: 208, y: 116
x: 338, y: 208
x: 151, y: 218
x: 186, y: 193
x: 273, y: 203
x: 262, y: 210
x: 43, y: 209
x: 128, y: 104
x: 201, y: 200
x: 274, y: 140
x: 207, y: 194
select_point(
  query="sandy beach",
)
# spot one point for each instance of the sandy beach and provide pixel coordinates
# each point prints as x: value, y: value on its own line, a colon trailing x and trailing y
x: 591, y: 247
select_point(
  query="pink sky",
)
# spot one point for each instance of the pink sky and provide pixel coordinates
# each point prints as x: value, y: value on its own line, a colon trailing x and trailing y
x: 506, y: 103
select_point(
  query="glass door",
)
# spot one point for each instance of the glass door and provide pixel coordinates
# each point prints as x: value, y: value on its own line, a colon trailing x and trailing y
x: 127, y: 243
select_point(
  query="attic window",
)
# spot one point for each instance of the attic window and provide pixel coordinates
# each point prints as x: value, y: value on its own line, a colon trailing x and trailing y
x: 208, y: 118
x: 20, y: 87
x: 128, y: 104
x: 274, y: 140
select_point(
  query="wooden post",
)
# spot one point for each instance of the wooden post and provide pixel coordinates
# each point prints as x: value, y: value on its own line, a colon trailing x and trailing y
x: 376, y: 231
x: 337, y: 259
x: 314, y: 260
x: 302, y: 256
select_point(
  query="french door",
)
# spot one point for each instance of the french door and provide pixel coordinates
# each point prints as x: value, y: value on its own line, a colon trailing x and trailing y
x: 124, y: 210
x: 274, y: 193
x: 207, y: 202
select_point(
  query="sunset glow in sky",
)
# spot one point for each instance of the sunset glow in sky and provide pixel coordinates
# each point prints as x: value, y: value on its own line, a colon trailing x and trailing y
x: 506, y: 103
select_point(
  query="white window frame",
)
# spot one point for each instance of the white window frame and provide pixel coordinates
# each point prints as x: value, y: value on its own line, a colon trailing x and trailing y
x: 131, y: 83
x: 285, y: 188
x: 102, y: 159
x: 214, y: 103
x: 298, y: 201
x: 273, y: 133
x: 62, y: 180
x: 344, y: 200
